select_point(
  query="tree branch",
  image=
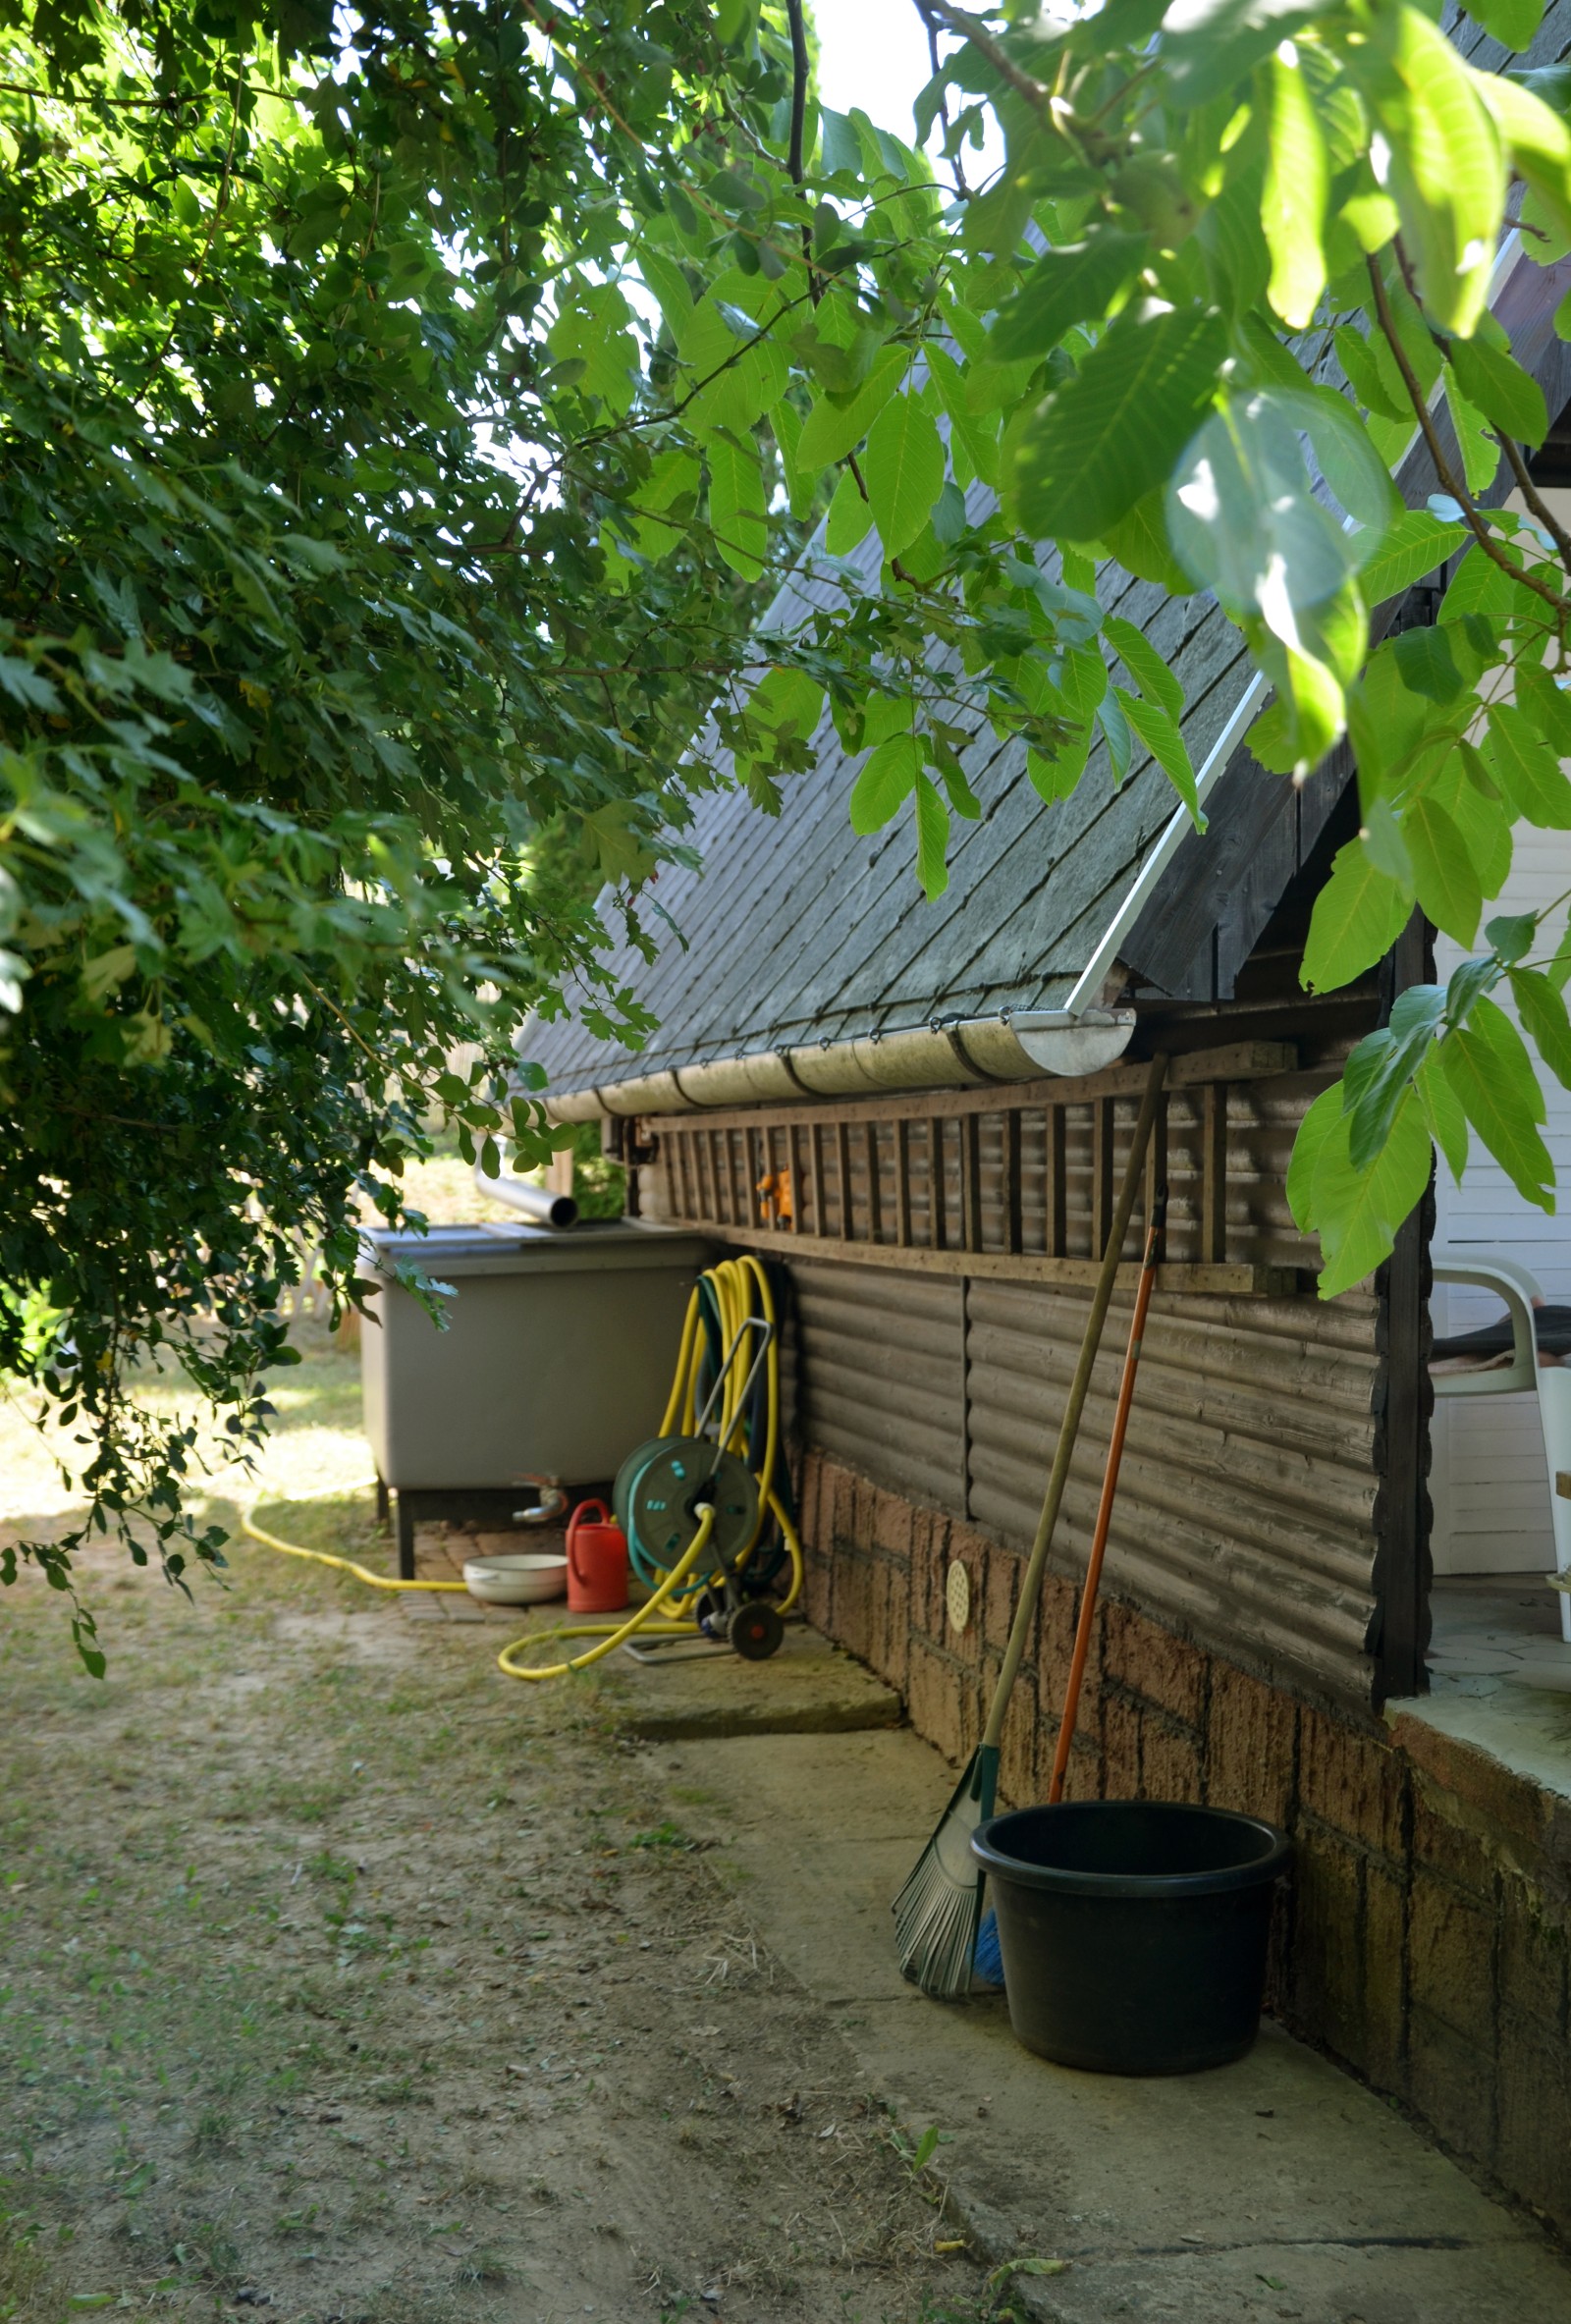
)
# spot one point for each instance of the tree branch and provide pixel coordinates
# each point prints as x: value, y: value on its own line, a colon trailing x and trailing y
x: 1444, y: 474
x: 969, y: 28
x: 1537, y: 505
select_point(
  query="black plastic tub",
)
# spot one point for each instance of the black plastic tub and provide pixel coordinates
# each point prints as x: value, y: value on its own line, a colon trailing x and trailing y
x: 1133, y: 1930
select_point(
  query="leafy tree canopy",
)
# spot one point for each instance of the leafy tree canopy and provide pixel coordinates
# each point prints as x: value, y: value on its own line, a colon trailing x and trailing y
x: 405, y: 411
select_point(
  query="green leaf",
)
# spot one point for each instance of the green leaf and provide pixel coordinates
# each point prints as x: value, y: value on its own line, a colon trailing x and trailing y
x: 1446, y: 171
x: 1443, y: 1113
x: 849, y: 520
x: 1065, y: 287
x: 1161, y: 736
x: 1293, y: 202
x: 904, y: 470
x: 1495, y: 382
x: 1358, y: 916
x: 1537, y: 139
x: 1526, y: 769
x: 1304, y: 1160
x: 1488, y: 1065
x: 886, y: 782
x: 1546, y: 705
x: 1113, y: 432
x: 1359, y: 361
x: 1543, y: 1011
x: 1083, y: 679
x: 1442, y: 872
x: 1512, y: 23
x: 1139, y: 541
x: 833, y: 428
x: 736, y: 511
x: 972, y: 441
x: 932, y: 838
x: 1358, y: 1212
x: 1144, y: 665
x: 1481, y: 454
x: 1055, y: 778
x: 1406, y: 552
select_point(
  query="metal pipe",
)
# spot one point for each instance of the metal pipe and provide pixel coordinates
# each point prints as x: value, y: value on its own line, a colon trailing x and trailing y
x: 532, y: 1202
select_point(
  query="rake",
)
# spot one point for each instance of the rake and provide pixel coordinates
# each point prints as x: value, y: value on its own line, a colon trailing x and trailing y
x: 939, y: 1911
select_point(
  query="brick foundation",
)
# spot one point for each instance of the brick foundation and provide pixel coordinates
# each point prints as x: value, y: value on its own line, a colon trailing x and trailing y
x: 1423, y: 1939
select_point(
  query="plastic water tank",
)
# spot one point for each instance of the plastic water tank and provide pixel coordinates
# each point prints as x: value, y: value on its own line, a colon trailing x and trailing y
x: 557, y: 1359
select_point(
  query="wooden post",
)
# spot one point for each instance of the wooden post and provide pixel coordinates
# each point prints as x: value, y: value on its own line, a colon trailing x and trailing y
x: 842, y: 1172
x: 875, y: 1204
x: 1055, y: 1182
x: 1013, y: 1223
x: 815, y: 1160
x: 1103, y: 1129
x: 1214, y: 1174
x: 1156, y: 1157
x: 934, y: 1181
x: 902, y: 1183
x: 793, y: 1164
x: 971, y: 1182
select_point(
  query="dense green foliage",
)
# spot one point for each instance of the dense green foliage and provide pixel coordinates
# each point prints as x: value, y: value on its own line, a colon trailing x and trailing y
x: 404, y: 415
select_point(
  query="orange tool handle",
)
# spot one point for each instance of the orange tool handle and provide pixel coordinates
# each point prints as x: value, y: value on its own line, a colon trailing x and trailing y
x: 1109, y: 1488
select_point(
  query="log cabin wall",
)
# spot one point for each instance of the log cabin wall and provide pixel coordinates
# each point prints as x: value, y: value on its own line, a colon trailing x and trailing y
x: 941, y: 1256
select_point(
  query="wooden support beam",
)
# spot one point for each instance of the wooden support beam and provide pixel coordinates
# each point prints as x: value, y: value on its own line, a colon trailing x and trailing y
x: 793, y: 1164
x: 842, y: 1178
x: 1103, y: 1128
x: 1055, y: 1125
x: 1156, y: 1157
x: 1214, y: 1174
x: 875, y: 1191
x: 902, y: 1183
x: 1240, y: 1279
x: 971, y: 1182
x: 1012, y: 1218
x: 934, y: 1181
x: 815, y: 1153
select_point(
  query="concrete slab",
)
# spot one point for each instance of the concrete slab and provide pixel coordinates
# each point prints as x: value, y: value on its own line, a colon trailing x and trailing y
x: 809, y: 1688
x: 1277, y: 2187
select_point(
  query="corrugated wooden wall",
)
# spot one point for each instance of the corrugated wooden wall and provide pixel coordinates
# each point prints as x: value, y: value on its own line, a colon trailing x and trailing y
x: 879, y: 1375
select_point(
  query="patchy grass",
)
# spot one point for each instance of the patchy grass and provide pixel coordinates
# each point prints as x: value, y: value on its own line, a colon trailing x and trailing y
x: 343, y: 1979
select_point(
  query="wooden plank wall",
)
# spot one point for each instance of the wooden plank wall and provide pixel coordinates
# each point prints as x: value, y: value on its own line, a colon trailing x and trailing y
x: 1249, y: 1507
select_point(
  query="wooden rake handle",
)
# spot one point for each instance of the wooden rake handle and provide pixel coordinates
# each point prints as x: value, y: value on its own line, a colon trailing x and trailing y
x: 1031, y: 1587
x: 1109, y: 1488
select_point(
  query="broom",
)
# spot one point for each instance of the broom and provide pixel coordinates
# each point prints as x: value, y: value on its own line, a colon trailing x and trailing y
x: 939, y: 1911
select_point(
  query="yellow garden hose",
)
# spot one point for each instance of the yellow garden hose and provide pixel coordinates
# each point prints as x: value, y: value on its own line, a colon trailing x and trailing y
x: 611, y: 1634
x: 345, y: 1565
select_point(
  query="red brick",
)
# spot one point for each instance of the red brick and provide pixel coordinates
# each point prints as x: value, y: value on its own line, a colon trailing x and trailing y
x: 1249, y: 1741
x: 933, y: 1699
x: 1121, y: 1746
x: 1534, y: 2118
x: 892, y: 1624
x: 892, y: 1526
x: 999, y: 1596
x: 1513, y: 1802
x: 1054, y: 1635
x: 1328, y: 1983
x: 1448, y: 1847
x: 1353, y: 1781
x: 818, y: 1602
x: 1384, y: 1980
x: 1450, y: 1938
x: 1152, y: 1662
x: 1532, y: 1957
x: 809, y: 1501
x: 1017, y: 1762
x: 1169, y: 1760
x: 1452, y: 2084
x: 855, y: 1580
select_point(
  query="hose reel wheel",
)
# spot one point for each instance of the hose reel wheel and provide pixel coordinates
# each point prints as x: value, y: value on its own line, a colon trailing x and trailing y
x: 660, y: 1489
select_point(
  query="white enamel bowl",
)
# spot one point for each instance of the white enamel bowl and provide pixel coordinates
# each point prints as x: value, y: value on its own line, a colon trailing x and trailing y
x: 525, y: 1580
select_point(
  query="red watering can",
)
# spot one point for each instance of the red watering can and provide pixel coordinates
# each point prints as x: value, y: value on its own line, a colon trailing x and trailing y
x: 597, y: 1561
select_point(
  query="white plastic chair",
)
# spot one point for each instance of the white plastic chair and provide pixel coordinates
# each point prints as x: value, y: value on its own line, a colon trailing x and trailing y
x: 1551, y: 1383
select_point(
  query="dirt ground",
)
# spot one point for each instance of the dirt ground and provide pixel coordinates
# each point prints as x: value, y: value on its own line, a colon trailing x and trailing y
x: 343, y: 1978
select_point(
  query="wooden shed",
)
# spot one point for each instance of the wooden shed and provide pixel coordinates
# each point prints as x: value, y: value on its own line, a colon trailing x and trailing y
x: 935, y: 1099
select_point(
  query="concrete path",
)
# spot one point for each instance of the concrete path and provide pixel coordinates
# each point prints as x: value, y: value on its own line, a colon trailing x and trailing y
x: 1278, y: 2187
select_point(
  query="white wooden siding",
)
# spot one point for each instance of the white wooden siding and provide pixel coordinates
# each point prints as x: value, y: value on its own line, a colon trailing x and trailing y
x: 1487, y: 1479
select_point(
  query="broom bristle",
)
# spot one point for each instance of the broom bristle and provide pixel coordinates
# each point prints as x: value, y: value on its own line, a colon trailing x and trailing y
x: 939, y: 1911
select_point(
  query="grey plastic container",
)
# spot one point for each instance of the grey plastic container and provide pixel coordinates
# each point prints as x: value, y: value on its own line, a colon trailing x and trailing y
x: 557, y: 1360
